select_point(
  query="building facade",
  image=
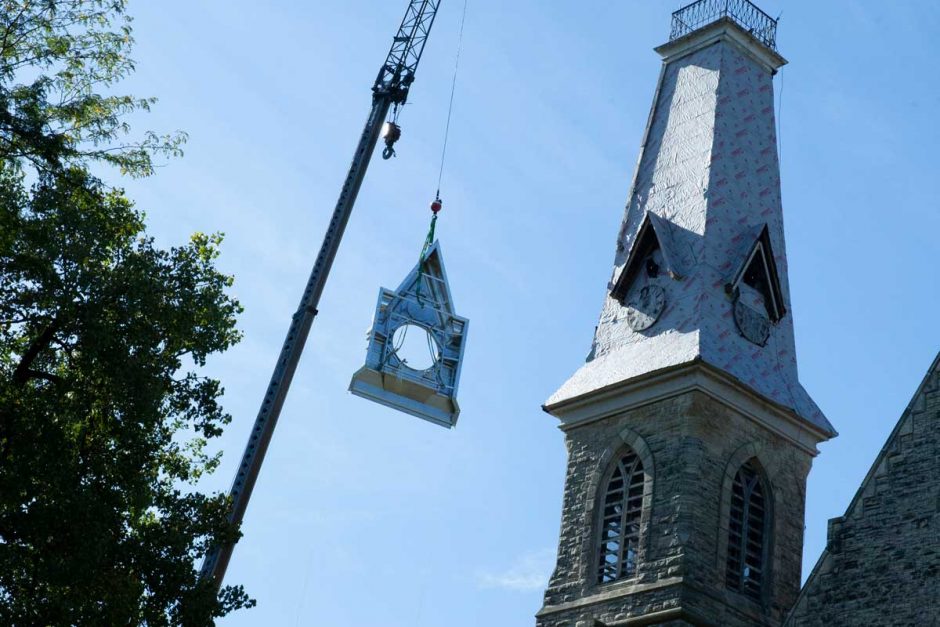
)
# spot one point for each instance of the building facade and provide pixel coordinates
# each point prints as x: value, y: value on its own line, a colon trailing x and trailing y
x: 689, y: 436
x: 881, y: 565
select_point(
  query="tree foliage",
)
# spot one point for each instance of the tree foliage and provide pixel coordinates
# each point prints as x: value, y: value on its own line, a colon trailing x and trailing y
x: 104, y: 414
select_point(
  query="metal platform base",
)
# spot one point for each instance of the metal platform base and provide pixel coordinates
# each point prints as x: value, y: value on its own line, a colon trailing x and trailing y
x: 404, y: 395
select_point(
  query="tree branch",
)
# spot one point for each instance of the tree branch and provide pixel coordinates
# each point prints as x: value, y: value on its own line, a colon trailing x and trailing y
x: 45, y: 376
x: 22, y: 372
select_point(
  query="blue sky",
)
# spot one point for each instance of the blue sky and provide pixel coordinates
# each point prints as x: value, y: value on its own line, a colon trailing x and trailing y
x: 363, y: 515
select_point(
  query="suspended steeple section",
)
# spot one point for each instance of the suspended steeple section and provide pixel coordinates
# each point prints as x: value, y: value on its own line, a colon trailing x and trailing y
x: 416, y: 346
x: 699, y: 283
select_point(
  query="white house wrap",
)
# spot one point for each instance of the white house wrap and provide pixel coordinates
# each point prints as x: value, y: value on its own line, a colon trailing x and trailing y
x: 708, y: 185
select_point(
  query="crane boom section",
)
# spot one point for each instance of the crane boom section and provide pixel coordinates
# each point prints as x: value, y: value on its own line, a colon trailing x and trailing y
x: 391, y: 87
x: 398, y: 73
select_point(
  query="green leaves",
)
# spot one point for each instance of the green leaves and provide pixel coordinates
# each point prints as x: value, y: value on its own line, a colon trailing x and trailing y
x: 105, y: 415
x: 71, y: 50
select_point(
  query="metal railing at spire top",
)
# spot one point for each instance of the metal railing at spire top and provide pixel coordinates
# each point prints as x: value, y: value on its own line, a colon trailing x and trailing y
x: 744, y: 13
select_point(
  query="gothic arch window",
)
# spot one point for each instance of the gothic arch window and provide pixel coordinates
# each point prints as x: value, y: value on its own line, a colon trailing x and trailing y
x: 621, y: 510
x: 748, y: 531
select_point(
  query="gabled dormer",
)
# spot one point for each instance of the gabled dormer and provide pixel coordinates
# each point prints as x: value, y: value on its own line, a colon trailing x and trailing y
x: 650, y: 255
x: 756, y: 281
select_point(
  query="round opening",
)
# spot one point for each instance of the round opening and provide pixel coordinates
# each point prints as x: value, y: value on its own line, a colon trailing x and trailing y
x: 415, y: 346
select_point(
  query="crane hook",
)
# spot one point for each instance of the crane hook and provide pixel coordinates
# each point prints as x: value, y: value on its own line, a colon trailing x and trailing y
x: 391, y: 133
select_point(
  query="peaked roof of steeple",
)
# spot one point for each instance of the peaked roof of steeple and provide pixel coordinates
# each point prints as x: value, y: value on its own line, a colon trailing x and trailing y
x: 428, y: 280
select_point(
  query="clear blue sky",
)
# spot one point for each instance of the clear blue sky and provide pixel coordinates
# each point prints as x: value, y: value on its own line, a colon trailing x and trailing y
x: 366, y: 516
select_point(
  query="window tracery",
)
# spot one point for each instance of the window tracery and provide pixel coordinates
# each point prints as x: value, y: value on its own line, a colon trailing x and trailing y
x: 748, y: 527
x: 620, y: 519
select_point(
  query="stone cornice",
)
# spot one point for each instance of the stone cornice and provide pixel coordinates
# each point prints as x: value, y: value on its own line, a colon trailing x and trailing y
x: 724, y: 28
x: 614, y: 592
x: 698, y: 376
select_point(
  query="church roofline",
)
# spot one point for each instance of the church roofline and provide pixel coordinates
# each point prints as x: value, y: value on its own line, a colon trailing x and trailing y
x: 869, y: 478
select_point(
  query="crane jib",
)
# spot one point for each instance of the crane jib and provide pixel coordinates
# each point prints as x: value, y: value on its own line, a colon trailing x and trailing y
x: 398, y: 72
x: 391, y: 87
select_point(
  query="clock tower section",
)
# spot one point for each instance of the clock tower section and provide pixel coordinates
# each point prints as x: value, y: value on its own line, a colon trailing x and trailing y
x: 689, y: 435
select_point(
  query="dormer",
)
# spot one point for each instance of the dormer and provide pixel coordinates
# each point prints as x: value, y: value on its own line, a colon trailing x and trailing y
x: 756, y: 282
x: 652, y: 254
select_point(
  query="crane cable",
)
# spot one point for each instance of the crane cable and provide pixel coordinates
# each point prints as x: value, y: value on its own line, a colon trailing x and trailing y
x: 437, y: 204
x: 453, y: 89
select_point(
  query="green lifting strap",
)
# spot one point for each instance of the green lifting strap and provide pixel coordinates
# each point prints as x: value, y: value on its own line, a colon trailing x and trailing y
x: 424, y: 251
x: 429, y: 239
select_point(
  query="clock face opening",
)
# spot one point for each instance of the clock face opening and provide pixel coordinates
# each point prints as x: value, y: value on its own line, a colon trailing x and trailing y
x: 645, y: 307
x: 415, y: 346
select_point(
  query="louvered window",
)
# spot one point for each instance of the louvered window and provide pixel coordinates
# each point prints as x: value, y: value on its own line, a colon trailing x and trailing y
x: 747, y: 532
x: 620, y: 524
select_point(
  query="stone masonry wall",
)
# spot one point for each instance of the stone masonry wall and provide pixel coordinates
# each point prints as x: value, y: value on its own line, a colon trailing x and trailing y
x: 882, y: 562
x: 691, y: 444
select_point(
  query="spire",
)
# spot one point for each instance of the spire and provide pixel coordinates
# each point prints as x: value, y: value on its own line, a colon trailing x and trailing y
x: 700, y: 269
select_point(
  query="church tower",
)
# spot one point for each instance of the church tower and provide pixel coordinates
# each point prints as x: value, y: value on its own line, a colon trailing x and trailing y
x: 689, y: 435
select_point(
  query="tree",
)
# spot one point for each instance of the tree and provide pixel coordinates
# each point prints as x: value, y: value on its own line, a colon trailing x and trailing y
x: 104, y: 415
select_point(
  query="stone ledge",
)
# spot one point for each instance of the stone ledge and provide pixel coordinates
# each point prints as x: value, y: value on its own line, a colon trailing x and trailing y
x: 663, y: 616
x: 617, y: 592
x: 699, y: 376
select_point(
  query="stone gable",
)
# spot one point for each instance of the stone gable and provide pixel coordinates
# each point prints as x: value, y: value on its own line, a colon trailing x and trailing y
x: 881, y: 565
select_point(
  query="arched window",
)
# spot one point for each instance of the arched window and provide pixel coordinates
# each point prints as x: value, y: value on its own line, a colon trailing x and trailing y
x: 748, y: 530
x: 620, y: 519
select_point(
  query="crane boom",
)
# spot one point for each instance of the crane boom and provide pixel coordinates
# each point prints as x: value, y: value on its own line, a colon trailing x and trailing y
x: 391, y: 88
x: 398, y: 72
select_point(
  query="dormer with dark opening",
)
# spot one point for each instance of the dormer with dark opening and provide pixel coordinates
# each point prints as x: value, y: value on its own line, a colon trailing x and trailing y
x: 758, y: 277
x: 649, y: 256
